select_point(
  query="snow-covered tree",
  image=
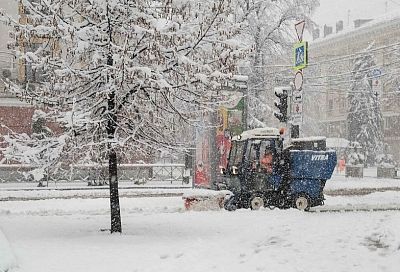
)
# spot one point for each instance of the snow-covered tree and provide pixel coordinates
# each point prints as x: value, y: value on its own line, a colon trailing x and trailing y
x: 364, y: 119
x: 269, y: 30
x: 42, y: 149
x: 118, y: 74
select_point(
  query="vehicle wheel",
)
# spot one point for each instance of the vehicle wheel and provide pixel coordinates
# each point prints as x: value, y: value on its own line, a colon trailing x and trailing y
x: 256, y: 203
x: 244, y: 201
x: 230, y: 204
x: 302, y: 202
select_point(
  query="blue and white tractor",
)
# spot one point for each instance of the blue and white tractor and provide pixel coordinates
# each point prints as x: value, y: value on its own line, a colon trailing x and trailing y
x: 294, y: 175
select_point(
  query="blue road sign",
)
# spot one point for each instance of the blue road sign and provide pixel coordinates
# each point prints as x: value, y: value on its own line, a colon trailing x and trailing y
x: 300, y: 55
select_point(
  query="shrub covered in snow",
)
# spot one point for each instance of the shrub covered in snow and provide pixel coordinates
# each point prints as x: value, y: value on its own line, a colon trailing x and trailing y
x: 385, y: 161
x: 354, y: 155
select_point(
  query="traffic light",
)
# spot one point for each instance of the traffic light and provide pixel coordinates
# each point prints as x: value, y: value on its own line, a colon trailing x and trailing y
x: 281, y: 104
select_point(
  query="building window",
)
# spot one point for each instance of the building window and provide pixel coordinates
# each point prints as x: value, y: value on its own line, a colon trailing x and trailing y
x: 386, y: 122
x: 330, y: 104
x: 342, y: 104
x: 331, y: 129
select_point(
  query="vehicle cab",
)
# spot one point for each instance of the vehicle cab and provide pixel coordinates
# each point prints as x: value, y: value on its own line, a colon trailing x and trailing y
x: 254, y: 165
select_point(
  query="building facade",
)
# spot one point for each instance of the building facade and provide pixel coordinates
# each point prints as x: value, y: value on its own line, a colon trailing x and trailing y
x: 331, y: 60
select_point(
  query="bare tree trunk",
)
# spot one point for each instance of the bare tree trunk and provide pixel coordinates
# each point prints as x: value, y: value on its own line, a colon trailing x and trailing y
x: 114, y: 196
x: 112, y: 162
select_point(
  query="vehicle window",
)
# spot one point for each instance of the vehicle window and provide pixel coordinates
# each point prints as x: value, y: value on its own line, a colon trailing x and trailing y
x: 239, y: 153
x: 267, y: 154
x: 232, y: 153
x: 252, y: 152
x: 266, y: 146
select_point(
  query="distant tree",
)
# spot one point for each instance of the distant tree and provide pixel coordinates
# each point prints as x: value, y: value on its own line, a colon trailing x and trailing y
x: 364, y: 119
x: 119, y: 74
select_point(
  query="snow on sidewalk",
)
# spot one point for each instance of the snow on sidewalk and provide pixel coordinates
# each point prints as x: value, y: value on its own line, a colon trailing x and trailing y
x: 7, y: 258
x: 158, y: 235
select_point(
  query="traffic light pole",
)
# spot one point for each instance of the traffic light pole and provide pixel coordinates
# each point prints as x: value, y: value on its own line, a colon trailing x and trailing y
x: 300, y: 62
x: 282, y: 93
x: 295, y: 131
x: 285, y: 105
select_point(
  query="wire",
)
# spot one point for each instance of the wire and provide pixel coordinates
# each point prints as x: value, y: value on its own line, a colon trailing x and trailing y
x: 356, y: 55
x: 343, y: 82
x: 341, y: 57
x: 346, y: 75
x: 395, y: 3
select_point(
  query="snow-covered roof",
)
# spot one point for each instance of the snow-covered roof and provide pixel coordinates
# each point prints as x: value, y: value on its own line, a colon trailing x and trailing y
x: 380, y: 21
x: 13, y: 102
x: 309, y: 139
x: 266, y: 132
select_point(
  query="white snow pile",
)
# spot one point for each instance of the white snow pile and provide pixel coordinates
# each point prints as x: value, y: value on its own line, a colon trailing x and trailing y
x: 203, y: 200
x: 7, y: 259
x: 205, y: 193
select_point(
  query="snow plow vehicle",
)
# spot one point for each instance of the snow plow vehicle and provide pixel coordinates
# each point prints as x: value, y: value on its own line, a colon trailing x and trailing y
x: 261, y: 172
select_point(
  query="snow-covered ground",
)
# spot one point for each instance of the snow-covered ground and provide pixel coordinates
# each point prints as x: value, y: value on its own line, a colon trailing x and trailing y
x: 7, y: 258
x: 159, y: 235
x: 339, y: 181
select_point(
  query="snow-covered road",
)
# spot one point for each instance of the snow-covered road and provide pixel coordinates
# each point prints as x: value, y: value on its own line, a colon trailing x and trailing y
x: 65, y: 234
x: 158, y: 235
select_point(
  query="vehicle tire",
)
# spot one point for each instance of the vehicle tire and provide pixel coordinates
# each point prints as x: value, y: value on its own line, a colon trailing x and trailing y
x: 302, y: 202
x: 256, y: 202
x: 230, y: 204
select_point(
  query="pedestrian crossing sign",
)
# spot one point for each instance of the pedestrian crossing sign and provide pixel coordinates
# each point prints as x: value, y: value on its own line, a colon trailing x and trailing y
x: 300, y: 55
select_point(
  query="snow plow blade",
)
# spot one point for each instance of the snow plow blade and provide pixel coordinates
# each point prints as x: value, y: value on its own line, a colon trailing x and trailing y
x: 205, y: 200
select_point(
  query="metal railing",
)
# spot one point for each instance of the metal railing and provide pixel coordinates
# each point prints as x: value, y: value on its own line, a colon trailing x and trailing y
x: 176, y: 174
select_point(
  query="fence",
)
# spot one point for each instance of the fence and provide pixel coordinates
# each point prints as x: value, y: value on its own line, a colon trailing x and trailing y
x: 96, y: 174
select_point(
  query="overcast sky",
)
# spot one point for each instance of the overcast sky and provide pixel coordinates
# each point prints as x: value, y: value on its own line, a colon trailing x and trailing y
x: 331, y: 11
